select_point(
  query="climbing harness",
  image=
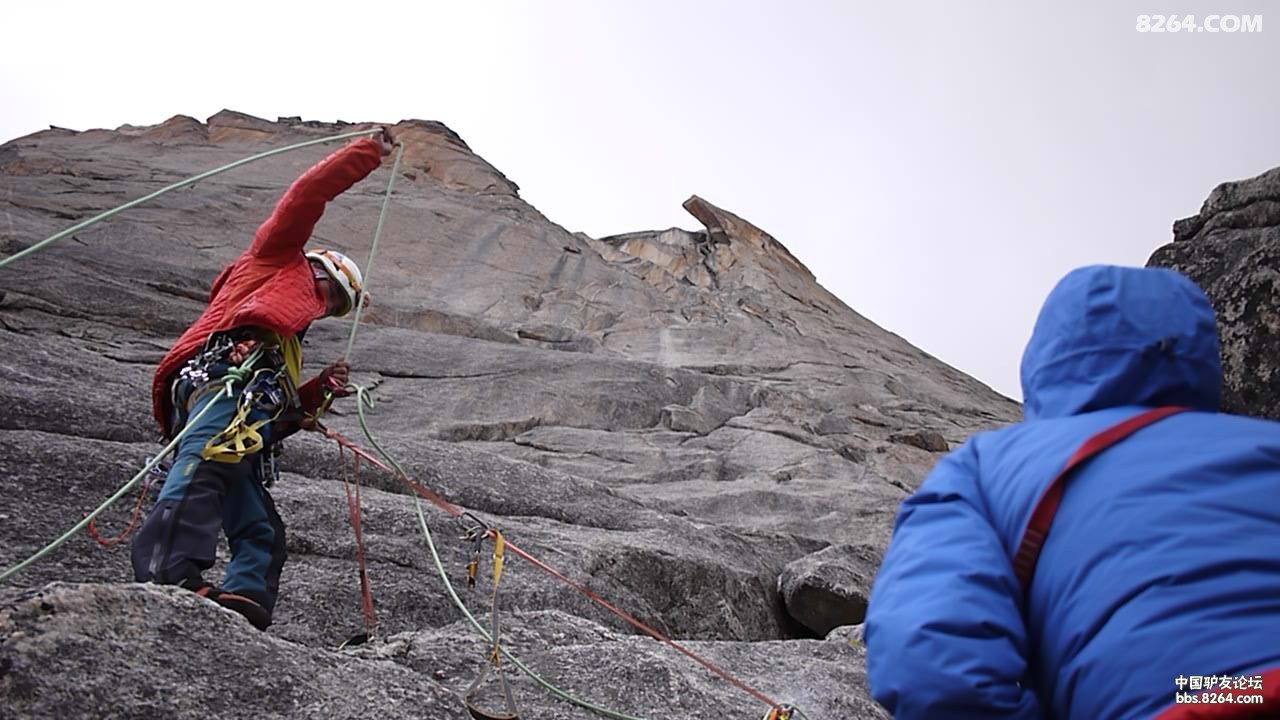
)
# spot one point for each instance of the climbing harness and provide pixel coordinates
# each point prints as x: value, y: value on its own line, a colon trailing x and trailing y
x: 243, y: 437
x: 270, y: 392
x: 494, y: 661
x: 781, y: 712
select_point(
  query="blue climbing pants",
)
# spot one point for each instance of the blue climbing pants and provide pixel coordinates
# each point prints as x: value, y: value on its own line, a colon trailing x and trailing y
x: 179, y: 539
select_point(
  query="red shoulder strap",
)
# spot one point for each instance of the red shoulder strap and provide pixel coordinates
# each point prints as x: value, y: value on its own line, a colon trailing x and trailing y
x: 1024, y: 561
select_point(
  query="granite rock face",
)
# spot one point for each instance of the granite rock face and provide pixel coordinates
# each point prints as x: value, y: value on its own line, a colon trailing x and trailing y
x: 123, y: 645
x: 670, y: 417
x: 1232, y: 250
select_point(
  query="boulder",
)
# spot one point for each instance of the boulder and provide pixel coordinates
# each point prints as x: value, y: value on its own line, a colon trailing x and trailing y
x: 829, y: 588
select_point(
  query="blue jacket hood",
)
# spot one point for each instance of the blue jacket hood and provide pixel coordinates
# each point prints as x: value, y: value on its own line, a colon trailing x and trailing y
x: 1111, y: 336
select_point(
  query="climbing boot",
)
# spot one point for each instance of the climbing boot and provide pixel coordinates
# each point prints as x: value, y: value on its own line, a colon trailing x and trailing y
x: 249, y: 608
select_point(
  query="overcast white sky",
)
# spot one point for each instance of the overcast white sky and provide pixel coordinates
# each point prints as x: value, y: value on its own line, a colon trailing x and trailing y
x: 938, y: 165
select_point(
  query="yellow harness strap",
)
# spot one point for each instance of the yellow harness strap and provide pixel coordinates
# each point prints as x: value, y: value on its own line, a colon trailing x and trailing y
x: 499, y: 546
x: 291, y: 349
x: 242, y: 438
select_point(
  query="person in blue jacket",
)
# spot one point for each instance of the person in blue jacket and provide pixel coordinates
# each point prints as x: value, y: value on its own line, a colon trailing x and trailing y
x: 1164, y: 557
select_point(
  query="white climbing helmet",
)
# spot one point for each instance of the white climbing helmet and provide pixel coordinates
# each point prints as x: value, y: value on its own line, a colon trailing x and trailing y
x: 343, y: 271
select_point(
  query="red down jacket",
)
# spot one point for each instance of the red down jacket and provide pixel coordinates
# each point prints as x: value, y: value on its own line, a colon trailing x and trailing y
x: 270, y: 286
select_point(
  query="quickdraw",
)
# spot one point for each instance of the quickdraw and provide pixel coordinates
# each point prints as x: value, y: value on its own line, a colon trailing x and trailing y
x: 195, y: 379
x: 269, y: 465
x: 494, y: 663
x: 780, y: 712
x: 216, y: 348
x: 474, y: 531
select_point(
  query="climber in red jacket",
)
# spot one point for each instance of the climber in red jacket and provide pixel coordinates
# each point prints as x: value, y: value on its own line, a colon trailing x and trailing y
x: 259, y: 308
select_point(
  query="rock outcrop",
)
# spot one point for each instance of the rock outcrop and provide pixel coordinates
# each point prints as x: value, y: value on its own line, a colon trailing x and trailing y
x: 1232, y: 250
x: 670, y: 417
x: 830, y: 588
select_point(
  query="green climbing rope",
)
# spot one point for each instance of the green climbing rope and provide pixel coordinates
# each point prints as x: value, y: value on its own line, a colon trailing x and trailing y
x: 233, y: 376
x: 373, y: 249
x: 363, y: 400
x: 175, y: 186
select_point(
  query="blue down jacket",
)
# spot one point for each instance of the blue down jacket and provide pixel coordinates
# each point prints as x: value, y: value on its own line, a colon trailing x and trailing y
x: 1163, y: 559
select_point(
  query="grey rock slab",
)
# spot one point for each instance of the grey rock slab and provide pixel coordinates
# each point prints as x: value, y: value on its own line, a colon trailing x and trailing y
x: 462, y: 389
x: 641, y: 676
x: 136, y: 651
x: 36, y: 376
x: 651, y: 571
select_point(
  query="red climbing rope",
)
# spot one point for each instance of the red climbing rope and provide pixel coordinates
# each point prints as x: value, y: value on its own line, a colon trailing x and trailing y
x: 353, y: 509
x: 92, y: 528
x: 426, y: 494
x: 455, y: 511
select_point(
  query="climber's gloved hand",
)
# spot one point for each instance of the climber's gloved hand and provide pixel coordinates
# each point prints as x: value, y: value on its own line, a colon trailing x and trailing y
x: 335, y: 378
x: 385, y: 141
x: 241, y: 351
